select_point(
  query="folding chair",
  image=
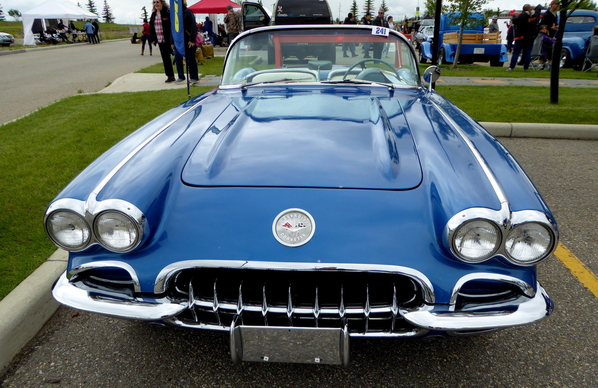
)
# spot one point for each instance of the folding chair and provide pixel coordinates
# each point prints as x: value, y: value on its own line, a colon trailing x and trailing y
x: 536, y: 53
x: 591, y: 60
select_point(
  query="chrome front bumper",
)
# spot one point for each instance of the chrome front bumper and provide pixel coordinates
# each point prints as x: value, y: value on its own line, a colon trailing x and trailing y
x: 426, y: 317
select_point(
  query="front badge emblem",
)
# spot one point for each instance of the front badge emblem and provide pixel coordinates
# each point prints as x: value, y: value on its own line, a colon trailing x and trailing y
x: 293, y: 227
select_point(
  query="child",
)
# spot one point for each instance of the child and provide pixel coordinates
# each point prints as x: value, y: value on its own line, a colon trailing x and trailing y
x: 546, y: 51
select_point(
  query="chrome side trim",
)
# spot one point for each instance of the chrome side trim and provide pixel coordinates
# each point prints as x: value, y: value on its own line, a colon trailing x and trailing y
x: 96, y: 191
x: 146, y: 310
x: 438, y: 318
x: 170, y: 270
x: 500, y: 195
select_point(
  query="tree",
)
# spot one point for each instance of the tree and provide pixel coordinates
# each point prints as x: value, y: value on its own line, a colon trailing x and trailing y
x: 2, y: 17
x: 91, y: 7
x: 430, y: 8
x: 107, y: 13
x: 567, y: 7
x: 144, y: 14
x: 14, y: 13
x: 464, y: 16
x: 368, y: 7
x: 384, y: 6
x: 354, y: 9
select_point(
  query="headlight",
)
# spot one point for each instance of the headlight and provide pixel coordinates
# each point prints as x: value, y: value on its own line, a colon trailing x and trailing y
x: 528, y: 243
x: 116, y: 231
x: 476, y: 240
x: 68, y: 230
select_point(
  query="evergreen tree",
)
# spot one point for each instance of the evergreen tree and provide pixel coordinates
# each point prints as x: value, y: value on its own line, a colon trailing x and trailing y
x: 355, y: 10
x: 384, y: 6
x: 107, y: 13
x: 368, y: 7
x: 14, y: 13
x: 144, y: 14
x: 91, y: 6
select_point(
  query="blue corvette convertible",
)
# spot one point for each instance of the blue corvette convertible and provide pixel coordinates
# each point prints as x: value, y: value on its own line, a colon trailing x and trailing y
x: 312, y: 197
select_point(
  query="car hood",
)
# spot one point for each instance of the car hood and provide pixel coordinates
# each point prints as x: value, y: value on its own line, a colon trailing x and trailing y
x: 318, y: 140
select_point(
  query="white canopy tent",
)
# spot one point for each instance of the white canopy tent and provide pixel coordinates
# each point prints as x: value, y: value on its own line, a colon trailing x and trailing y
x: 52, y: 9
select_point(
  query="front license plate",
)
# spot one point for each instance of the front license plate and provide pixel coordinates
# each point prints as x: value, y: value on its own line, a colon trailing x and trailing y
x: 290, y: 344
x: 478, y: 50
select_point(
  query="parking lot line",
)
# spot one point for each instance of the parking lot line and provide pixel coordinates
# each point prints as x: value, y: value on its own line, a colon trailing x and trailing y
x: 577, y: 268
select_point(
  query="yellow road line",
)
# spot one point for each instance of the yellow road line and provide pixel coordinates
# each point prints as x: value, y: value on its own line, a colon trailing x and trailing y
x: 579, y: 270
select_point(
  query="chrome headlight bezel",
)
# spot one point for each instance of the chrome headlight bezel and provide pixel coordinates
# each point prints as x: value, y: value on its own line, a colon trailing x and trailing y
x: 506, y: 225
x: 478, y: 224
x: 83, y: 229
x: 90, y: 213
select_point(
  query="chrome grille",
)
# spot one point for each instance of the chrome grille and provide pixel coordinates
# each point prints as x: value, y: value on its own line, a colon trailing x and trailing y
x: 367, y: 302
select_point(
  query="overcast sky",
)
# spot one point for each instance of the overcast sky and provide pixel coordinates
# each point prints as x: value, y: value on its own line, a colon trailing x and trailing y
x: 129, y: 11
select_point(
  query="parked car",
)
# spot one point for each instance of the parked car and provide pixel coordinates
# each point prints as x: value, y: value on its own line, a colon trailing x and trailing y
x: 302, y: 203
x: 476, y: 46
x: 286, y: 12
x: 424, y: 34
x: 6, y: 39
x: 578, y: 29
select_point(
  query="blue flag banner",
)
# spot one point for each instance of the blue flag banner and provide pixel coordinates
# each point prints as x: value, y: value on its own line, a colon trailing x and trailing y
x: 178, y: 31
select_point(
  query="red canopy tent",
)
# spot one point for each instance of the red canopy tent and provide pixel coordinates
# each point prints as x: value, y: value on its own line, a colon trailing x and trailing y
x: 212, y: 6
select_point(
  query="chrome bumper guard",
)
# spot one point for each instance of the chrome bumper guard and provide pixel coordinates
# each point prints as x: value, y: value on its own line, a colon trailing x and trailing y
x: 432, y: 318
x: 145, y: 310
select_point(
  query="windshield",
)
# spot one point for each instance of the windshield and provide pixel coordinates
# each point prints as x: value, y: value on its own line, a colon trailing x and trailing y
x: 326, y: 54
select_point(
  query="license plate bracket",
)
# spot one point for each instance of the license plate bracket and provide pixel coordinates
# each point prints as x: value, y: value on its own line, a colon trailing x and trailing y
x: 290, y: 344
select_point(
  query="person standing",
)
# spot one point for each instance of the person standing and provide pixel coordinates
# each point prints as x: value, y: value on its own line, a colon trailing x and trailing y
x: 550, y: 20
x: 350, y: 19
x: 392, y: 26
x: 96, y: 31
x: 190, y: 36
x: 493, y: 26
x: 233, y: 23
x: 367, y: 20
x: 380, y: 21
x: 209, y: 28
x: 89, y: 31
x: 525, y: 33
x: 146, y: 37
x: 161, y: 36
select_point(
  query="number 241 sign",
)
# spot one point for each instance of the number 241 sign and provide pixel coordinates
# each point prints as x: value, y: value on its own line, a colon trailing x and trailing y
x: 382, y: 31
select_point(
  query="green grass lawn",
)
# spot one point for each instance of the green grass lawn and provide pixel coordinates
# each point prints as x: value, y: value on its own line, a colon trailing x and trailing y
x: 41, y: 153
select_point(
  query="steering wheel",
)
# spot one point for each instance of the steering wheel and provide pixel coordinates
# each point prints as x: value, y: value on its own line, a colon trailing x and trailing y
x: 369, y: 60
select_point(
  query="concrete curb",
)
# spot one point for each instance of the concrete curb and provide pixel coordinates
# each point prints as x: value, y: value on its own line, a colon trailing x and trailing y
x: 547, y: 131
x: 26, y: 309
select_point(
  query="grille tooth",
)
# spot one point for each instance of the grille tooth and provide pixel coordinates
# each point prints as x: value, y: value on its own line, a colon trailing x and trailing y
x: 367, y: 309
x: 192, y: 301
x: 290, y: 308
x: 316, y: 307
x: 395, y: 307
x: 264, y: 306
x: 240, y: 300
x: 341, y: 307
x: 216, y: 305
